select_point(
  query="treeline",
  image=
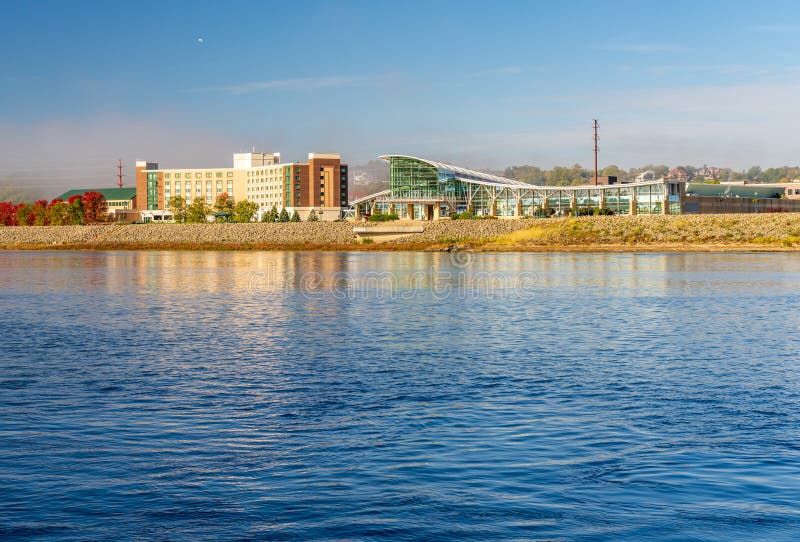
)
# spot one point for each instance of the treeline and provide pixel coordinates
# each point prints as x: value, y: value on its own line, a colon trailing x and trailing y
x: 225, y: 210
x: 86, y: 208
x: 576, y: 175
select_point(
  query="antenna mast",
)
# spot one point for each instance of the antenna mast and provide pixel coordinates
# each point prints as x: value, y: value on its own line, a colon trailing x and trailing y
x: 119, y: 172
x: 596, y: 148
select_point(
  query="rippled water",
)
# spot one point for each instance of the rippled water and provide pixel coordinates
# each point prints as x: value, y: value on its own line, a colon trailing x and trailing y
x: 269, y: 395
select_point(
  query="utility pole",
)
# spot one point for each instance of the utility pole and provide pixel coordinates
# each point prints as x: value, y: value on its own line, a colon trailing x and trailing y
x: 119, y: 172
x: 596, y: 148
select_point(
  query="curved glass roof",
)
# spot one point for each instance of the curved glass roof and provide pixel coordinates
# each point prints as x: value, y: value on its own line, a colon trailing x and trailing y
x: 463, y: 174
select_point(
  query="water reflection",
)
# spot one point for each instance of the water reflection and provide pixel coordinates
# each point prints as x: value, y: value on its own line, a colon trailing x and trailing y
x: 293, y: 395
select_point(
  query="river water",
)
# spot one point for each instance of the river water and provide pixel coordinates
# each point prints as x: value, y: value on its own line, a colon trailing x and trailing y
x: 399, y: 396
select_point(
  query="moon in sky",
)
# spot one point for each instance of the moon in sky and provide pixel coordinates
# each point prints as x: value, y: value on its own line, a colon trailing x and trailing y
x: 200, y: 40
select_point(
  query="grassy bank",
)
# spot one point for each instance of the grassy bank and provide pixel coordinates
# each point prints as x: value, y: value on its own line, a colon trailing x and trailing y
x: 751, y: 231
x: 625, y: 233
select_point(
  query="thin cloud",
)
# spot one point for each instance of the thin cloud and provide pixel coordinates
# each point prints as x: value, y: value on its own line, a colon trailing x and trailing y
x: 309, y: 83
x: 506, y: 70
x: 302, y: 83
x: 642, y: 47
x: 776, y: 28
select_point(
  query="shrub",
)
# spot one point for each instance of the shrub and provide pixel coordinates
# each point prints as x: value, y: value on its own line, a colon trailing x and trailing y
x: 383, y: 217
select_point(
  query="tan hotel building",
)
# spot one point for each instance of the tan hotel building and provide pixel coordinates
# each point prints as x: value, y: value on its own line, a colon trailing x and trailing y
x: 320, y: 184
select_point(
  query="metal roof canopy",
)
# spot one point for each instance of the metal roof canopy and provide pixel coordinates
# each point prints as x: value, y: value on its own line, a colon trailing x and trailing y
x: 485, y: 179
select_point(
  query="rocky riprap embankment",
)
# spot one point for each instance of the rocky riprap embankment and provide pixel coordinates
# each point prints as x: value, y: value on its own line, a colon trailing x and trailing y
x: 182, y: 234
x: 52, y: 235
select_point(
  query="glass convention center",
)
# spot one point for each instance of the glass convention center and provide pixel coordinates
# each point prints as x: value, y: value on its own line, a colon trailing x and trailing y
x: 427, y: 190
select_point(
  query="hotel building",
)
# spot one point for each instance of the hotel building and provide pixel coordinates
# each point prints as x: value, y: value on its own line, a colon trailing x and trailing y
x: 320, y: 184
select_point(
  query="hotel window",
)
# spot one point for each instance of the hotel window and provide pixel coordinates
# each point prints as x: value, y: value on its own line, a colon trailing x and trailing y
x: 230, y: 174
x: 187, y: 175
x: 208, y: 186
x: 198, y: 175
x: 208, y: 174
x: 166, y: 175
x: 219, y: 174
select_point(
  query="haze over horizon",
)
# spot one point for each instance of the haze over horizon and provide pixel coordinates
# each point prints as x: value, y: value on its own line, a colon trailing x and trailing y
x: 187, y: 84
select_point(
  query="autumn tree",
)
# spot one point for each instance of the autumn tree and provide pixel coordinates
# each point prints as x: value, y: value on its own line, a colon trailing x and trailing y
x: 59, y: 213
x: 95, y: 207
x: 39, y: 212
x: 223, y: 204
x: 75, y: 209
x: 8, y: 213
x: 25, y: 214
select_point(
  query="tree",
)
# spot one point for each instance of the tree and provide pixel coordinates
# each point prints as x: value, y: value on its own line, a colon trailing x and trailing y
x: 177, y: 206
x: 39, y: 212
x: 526, y: 174
x: 95, y: 207
x: 754, y: 173
x: 59, y: 213
x: 312, y: 216
x: 75, y: 209
x: 223, y: 204
x: 271, y: 216
x: 244, y: 211
x: 25, y: 214
x: 8, y: 213
x: 284, y: 216
x: 295, y: 217
x: 197, y: 212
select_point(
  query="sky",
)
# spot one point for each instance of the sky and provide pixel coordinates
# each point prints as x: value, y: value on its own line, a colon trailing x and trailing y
x: 479, y: 84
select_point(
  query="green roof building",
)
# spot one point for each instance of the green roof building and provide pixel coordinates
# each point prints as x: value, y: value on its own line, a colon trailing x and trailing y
x: 117, y: 198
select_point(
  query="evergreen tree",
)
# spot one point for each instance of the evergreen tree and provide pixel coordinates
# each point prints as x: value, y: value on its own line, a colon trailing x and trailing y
x: 271, y: 216
x: 284, y: 216
x: 312, y: 216
x: 295, y: 217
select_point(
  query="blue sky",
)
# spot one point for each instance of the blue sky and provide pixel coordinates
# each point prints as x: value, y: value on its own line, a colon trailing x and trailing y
x: 482, y: 84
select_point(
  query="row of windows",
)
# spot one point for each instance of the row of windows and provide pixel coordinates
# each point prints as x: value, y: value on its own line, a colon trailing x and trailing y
x: 197, y: 175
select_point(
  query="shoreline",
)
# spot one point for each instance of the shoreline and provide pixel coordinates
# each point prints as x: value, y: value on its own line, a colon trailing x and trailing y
x: 779, y: 232
x: 413, y: 247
